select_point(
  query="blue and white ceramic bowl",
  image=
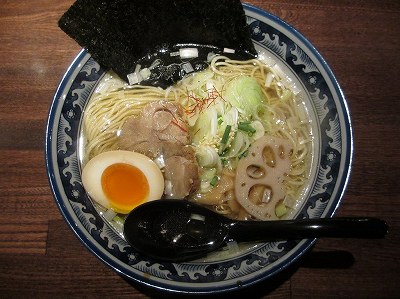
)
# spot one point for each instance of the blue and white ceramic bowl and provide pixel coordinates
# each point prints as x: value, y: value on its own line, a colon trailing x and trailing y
x: 332, y: 159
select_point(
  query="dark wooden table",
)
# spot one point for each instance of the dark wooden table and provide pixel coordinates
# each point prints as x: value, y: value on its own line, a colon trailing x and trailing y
x: 39, y: 255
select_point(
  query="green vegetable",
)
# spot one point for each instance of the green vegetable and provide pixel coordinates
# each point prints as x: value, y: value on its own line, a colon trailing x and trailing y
x: 206, y: 156
x: 225, y: 137
x: 280, y: 209
x: 214, y: 181
x: 246, y: 127
x: 245, y: 94
x: 224, y: 161
x: 224, y: 140
x: 244, y: 154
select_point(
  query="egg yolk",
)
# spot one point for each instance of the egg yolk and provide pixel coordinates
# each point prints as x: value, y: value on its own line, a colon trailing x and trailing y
x: 125, y: 186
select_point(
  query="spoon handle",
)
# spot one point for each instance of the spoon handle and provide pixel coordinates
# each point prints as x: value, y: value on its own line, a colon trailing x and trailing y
x: 369, y: 228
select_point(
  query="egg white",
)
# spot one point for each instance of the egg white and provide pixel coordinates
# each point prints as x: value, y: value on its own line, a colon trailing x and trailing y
x: 93, y: 170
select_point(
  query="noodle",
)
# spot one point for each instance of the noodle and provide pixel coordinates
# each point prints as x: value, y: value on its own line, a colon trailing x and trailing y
x: 281, y: 115
x: 105, y: 115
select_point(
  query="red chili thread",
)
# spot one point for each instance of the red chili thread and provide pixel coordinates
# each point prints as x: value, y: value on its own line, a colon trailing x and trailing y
x: 200, y: 103
x: 179, y: 126
x: 175, y: 121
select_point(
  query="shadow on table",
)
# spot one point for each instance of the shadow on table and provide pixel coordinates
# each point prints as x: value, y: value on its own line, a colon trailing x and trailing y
x: 313, y: 259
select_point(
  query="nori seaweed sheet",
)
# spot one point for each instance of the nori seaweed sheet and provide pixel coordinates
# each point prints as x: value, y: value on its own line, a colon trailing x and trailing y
x: 117, y: 33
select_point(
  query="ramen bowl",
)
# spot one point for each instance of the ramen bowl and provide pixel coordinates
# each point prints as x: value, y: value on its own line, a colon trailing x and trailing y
x: 223, y: 271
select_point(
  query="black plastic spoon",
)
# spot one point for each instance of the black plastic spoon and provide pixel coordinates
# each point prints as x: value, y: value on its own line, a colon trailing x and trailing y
x: 178, y: 230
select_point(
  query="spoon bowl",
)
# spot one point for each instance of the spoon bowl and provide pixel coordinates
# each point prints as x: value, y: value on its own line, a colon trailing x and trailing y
x: 178, y: 230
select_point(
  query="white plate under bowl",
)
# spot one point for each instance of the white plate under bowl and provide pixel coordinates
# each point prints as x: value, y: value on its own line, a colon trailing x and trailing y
x: 332, y: 150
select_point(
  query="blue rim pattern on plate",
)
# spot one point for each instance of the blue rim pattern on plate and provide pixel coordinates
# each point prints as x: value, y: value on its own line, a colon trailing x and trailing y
x: 336, y: 148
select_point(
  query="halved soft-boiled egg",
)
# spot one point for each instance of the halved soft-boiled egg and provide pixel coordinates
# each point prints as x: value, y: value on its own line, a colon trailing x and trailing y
x: 122, y: 180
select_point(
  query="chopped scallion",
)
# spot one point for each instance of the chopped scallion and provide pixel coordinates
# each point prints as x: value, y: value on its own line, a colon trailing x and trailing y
x: 224, y: 161
x: 225, y: 137
x: 244, y: 154
x: 246, y: 127
x: 245, y: 122
x: 214, y: 181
